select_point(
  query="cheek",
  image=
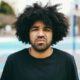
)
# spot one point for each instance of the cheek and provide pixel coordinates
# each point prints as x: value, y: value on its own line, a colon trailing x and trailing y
x: 32, y: 36
x: 50, y: 37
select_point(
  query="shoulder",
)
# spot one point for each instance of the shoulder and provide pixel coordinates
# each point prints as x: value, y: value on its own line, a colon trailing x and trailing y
x: 64, y: 55
x: 17, y: 55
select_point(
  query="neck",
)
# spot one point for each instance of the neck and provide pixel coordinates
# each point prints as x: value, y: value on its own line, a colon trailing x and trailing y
x: 44, y: 54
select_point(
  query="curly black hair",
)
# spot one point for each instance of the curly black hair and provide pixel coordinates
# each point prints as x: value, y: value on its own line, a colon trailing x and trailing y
x: 49, y: 15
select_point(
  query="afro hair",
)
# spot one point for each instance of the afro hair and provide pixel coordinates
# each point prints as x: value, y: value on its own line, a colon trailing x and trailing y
x: 49, y: 15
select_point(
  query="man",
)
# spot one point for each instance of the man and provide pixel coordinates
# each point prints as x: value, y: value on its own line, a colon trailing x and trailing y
x: 41, y: 27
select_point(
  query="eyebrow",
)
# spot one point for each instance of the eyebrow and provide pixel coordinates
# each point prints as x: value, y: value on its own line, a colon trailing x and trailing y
x: 34, y: 26
x: 44, y: 27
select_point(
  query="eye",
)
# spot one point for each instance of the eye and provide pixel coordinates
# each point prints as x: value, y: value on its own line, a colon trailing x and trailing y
x: 47, y: 29
x: 34, y: 29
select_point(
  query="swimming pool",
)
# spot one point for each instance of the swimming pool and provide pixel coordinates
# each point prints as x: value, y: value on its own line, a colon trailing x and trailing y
x: 10, y: 44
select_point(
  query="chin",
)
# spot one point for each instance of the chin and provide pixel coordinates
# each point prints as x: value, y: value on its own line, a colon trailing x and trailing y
x: 41, y: 49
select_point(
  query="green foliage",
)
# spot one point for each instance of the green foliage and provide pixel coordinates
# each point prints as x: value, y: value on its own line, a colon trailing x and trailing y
x: 5, y: 8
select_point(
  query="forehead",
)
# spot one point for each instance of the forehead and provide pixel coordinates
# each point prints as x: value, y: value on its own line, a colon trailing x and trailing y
x: 40, y: 24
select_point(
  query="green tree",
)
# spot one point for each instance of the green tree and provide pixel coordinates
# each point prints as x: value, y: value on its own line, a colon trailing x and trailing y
x: 5, y: 8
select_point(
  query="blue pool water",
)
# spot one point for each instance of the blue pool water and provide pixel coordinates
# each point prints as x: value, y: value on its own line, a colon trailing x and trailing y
x: 15, y: 44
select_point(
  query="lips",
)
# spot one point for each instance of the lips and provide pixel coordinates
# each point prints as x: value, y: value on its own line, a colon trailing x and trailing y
x: 40, y: 41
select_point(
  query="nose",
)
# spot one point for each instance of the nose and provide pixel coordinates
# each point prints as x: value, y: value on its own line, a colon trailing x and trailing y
x: 40, y: 33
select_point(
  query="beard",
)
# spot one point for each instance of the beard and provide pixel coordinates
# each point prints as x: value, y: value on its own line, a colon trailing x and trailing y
x: 40, y: 47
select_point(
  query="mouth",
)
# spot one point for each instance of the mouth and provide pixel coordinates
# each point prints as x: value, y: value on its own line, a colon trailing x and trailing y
x: 40, y: 44
x: 40, y: 40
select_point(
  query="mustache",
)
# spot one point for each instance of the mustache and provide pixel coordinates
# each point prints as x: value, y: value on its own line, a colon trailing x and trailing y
x: 41, y: 38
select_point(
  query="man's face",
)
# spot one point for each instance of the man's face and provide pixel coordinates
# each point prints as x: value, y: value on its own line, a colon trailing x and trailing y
x: 40, y: 36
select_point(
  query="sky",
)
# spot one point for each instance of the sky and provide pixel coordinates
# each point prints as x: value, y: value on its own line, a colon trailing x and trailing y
x: 66, y: 6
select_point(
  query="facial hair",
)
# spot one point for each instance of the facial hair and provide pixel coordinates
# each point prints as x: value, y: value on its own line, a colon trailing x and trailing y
x: 41, y: 47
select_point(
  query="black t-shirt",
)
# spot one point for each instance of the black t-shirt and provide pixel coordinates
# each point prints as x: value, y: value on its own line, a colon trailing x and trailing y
x: 22, y: 66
